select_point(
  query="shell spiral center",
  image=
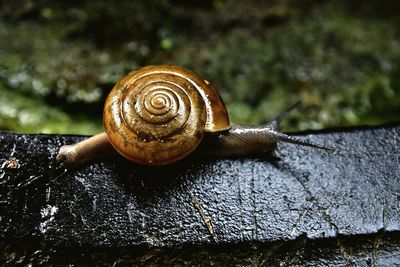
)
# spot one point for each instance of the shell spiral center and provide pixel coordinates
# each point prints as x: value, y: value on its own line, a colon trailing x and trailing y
x: 156, y: 109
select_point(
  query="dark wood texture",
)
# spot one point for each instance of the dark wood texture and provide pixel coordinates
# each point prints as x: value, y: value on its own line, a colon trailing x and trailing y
x: 309, y: 206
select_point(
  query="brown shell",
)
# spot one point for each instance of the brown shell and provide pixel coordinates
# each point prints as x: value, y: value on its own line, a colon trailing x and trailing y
x: 158, y: 114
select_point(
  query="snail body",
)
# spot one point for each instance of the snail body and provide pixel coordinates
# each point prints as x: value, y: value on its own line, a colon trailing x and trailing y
x: 157, y: 115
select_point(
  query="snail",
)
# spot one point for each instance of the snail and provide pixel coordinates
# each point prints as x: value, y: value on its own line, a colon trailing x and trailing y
x: 157, y: 115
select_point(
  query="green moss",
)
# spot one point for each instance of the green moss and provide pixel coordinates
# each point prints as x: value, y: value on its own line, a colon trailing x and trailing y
x: 26, y: 114
x: 343, y: 65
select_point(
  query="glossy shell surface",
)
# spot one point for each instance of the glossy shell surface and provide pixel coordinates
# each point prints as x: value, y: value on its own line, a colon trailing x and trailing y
x: 158, y: 114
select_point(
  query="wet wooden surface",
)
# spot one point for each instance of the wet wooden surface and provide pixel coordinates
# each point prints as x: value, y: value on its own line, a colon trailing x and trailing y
x: 309, y: 206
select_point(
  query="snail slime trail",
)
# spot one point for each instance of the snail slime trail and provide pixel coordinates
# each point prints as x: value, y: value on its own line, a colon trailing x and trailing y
x: 175, y: 112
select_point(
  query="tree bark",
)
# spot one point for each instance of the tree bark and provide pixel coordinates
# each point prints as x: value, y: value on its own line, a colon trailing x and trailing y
x: 307, y: 207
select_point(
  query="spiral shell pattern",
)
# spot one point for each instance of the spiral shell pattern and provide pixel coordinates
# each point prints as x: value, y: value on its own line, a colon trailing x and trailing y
x: 156, y: 115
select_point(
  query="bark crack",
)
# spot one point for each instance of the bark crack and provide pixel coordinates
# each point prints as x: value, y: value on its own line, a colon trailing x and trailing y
x: 206, y: 220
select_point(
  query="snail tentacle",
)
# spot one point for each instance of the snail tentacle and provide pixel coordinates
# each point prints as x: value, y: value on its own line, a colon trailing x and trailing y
x: 244, y: 140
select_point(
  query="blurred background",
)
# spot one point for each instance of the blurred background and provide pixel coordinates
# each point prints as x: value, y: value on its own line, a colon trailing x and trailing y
x: 59, y: 59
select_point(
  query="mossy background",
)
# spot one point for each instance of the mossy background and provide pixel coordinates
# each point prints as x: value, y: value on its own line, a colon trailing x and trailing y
x: 59, y: 59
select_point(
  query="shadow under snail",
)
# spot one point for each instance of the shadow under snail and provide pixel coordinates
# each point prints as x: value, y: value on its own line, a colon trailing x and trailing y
x: 157, y: 115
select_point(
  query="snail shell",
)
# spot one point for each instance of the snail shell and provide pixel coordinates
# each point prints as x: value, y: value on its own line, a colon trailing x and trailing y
x: 158, y: 114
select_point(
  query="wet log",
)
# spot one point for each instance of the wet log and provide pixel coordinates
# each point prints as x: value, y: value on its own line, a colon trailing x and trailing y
x: 307, y: 207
